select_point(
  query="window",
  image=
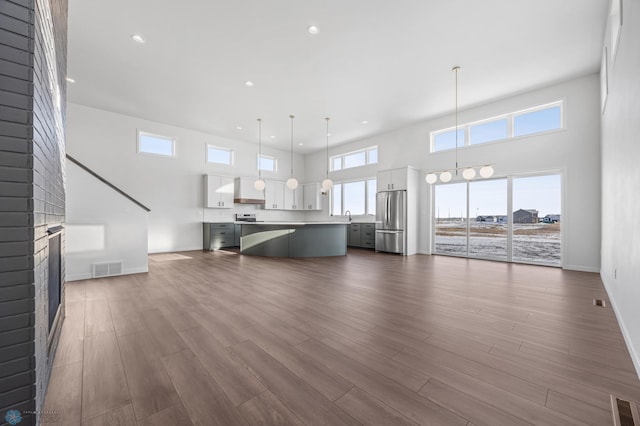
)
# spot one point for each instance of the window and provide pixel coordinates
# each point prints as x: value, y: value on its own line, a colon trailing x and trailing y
x: 219, y: 155
x: 359, y: 197
x: 372, y: 155
x: 336, y: 163
x: 488, y: 131
x: 540, y: 119
x: 155, y: 144
x: 355, y: 159
x: 354, y: 197
x: 336, y: 200
x: 472, y: 219
x: 447, y: 140
x: 267, y: 164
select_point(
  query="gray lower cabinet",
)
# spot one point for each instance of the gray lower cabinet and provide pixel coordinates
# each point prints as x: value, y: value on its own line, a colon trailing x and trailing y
x: 362, y: 235
x: 368, y: 235
x: 218, y: 235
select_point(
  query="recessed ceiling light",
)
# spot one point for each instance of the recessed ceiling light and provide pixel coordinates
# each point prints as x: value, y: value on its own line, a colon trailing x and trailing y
x: 300, y: 144
x: 70, y: 80
x: 273, y: 137
x: 312, y: 29
x: 364, y: 122
x: 238, y: 127
x: 138, y: 38
x: 248, y: 83
x: 329, y: 134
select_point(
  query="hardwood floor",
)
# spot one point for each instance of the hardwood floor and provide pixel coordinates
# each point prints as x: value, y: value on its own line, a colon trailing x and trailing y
x: 218, y: 338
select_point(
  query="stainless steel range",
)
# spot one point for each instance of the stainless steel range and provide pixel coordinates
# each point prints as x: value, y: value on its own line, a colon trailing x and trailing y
x: 246, y: 217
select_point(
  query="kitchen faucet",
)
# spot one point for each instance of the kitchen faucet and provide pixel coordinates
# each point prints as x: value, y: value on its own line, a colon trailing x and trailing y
x: 348, y: 211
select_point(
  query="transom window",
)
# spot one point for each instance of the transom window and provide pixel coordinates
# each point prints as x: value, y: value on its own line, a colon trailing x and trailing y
x: 543, y: 118
x: 358, y: 197
x: 267, y: 163
x: 355, y: 159
x: 149, y: 143
x: 219, y: 155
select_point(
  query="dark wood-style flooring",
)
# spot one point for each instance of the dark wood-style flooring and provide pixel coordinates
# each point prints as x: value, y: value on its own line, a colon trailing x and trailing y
x: 213, y: 338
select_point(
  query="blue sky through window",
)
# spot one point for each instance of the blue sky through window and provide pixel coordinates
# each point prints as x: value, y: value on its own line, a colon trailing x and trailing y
x: 537, y: 121
x: 218, y: 155
x: 488, y: 132
x: 447, y: 140
x: 151, y: 144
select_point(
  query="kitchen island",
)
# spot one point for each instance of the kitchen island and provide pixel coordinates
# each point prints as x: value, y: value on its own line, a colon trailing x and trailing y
x: 294, y: 239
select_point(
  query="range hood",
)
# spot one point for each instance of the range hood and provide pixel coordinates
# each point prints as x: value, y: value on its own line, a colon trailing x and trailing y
x: 245, y: 193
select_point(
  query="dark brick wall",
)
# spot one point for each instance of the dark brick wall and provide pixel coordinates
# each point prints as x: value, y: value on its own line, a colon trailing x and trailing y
x: 32, y: 116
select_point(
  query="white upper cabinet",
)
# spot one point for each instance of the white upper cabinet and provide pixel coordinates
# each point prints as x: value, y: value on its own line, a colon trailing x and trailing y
x: 293, y: 199
x: 391, y: 180
x: 218, y: 192
x: 274, y: 195
x: 312, y: 196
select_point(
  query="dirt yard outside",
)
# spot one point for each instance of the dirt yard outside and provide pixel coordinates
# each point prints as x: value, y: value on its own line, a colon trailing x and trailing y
x: 539, y: 242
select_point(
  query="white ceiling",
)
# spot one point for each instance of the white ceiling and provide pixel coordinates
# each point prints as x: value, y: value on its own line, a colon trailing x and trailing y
x: 387, y: 62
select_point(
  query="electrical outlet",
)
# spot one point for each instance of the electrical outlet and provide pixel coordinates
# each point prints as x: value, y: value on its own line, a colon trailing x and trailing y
x: 615, y: 273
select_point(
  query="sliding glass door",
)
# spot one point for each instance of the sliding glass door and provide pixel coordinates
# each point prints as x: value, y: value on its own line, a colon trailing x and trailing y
x: 488, y: 219
x: 536, y: 219
x: 511, y: 219
x: 450, y: 213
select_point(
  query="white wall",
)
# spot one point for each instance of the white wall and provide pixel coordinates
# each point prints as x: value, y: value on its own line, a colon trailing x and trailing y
x: 171, y: 187
x: 621, y: 180
x: 574, y: 151
x: 102, y: 226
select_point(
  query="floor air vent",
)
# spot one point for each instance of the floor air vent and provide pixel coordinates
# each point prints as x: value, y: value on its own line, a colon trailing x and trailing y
x: 600, y: 304
x: 106, y: 269
x: 625, y: 413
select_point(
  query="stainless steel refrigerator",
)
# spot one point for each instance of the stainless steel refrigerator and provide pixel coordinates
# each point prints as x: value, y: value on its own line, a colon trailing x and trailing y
x: 391, y: 217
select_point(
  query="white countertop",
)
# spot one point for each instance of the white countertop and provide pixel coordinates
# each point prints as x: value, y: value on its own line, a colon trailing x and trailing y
x: 293, y: 223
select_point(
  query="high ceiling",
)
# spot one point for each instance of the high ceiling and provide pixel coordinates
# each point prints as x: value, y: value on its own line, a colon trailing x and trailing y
x: 385, y: 62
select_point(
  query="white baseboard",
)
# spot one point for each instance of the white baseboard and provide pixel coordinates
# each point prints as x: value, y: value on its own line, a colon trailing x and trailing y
x: 126, y: 271
x: 581, y: 268
x: 77, y: 277
x: 635, y: 358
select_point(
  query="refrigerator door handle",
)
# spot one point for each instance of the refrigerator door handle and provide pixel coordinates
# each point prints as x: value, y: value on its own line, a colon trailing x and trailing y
x: 386, y: 225
x: 388, y: 232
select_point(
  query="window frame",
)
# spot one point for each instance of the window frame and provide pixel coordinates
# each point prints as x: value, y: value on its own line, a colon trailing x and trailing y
x: 367, y: 161
x: 510, y: 117
x: 367, y: 206
x: 269, y: 157
x: 220, y: 148
x: 141, y: 133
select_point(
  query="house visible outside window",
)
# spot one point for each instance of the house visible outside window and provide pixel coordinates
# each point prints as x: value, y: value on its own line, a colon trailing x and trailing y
x: 359, y: 197
x: 149, y: 143
x: 219, y: 155
x: 267, y: 163
x: 543, y: 118
x: 355, y: 159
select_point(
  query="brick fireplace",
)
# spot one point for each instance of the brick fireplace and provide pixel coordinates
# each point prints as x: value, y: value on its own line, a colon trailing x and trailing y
x: 33, y: 63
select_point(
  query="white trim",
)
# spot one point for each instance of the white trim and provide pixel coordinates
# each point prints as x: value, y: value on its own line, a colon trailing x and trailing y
x: 581, y: 268
x: 635, y: 357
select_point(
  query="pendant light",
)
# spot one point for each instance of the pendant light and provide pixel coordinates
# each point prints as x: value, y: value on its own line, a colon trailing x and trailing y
x: 327, y: 184
x: 468, y: 173
x: 259, y: 184
x: 292, y: 182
